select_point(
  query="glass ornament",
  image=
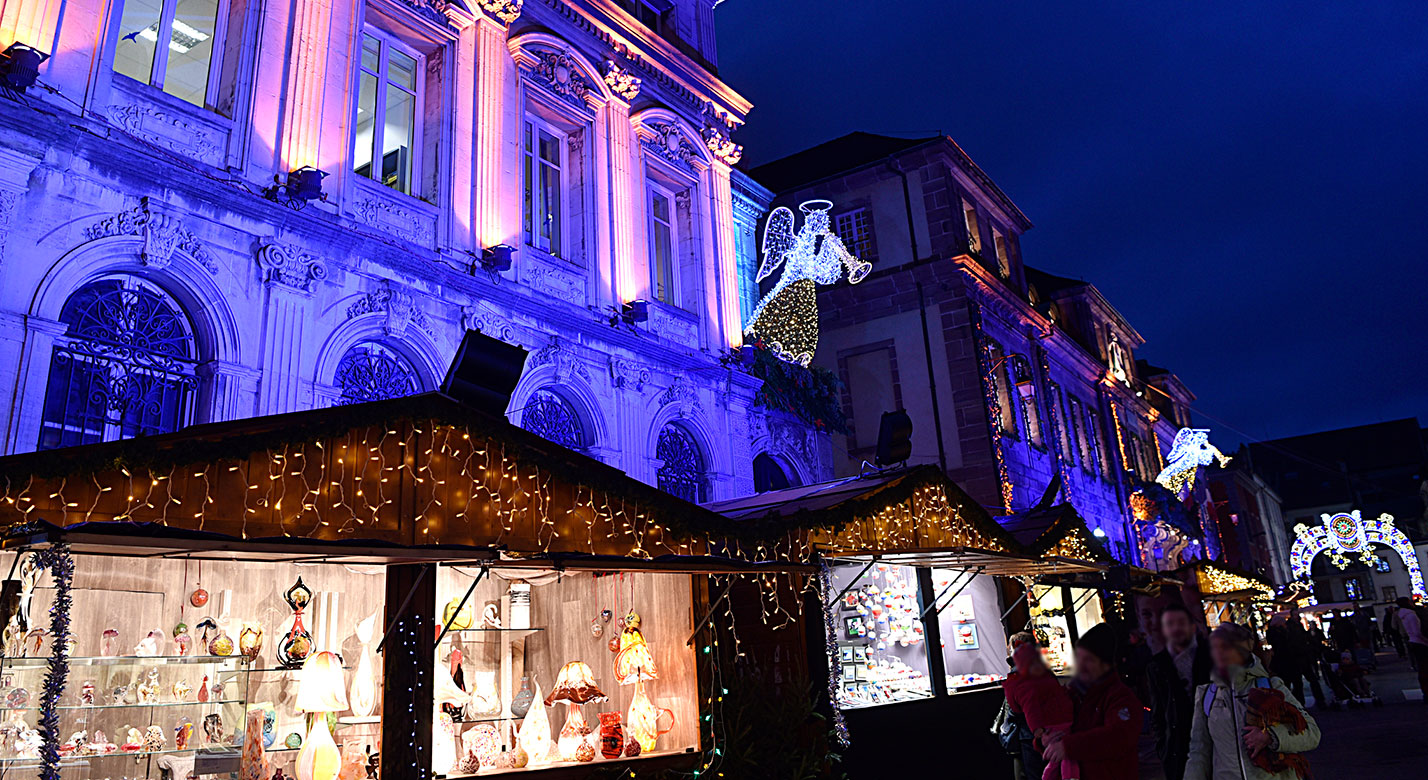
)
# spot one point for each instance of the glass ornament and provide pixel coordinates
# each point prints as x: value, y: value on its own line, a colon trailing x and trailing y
x: 612, y: 735
x: 198, y: 598
x: 521, y: 703
x: 643, y: 719
x: 363, y: 694
x: 250, y: 641
x: 296, y: 645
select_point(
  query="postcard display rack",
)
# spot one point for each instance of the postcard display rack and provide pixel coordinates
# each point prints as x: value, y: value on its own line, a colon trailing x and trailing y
x: 172, y: 660
x: 973, y: 638
x: 538, y: 669
x: 882, y: 650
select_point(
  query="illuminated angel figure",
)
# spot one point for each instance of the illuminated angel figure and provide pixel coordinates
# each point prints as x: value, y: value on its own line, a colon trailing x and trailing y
x: 787, y: 318
x: 1190, y: 450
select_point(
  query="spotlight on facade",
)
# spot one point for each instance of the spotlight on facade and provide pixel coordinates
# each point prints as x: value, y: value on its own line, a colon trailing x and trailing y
x: 299, y: 187
x: 20, y: 66
x: 748, y: 353
x: 635, y: 311
x: 894, y: 438
x: 497, y: 259
x: 1099, y: 533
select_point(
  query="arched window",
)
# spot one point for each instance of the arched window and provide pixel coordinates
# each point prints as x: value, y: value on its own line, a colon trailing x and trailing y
x: 374, y: 372
x: 123, y: 368
x: 550, y: 417
x: 681, y: 471
x: 769, y: 474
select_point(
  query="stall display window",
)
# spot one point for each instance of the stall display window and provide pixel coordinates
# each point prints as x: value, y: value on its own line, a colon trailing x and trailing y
x: 1087, y: 603
x: 541, y: 669
x: 880, y: 633
x: 190, y: 668
x: 1048, y: 624
x: 974, y: 642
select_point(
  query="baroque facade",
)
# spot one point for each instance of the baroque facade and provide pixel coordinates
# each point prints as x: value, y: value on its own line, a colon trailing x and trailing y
x: 158, y: 272
x: 1016, y: 379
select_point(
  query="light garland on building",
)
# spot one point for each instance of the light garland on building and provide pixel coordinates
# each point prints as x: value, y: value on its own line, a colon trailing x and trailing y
x: 1054, y: 427
x: 786, y: 320
x: 1190, y: 451
x: 993, y: 406
x: 1346, y: 533
x: 1215, y: 581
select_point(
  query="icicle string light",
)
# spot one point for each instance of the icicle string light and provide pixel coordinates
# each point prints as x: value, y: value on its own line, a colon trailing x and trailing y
x: 993, y: 406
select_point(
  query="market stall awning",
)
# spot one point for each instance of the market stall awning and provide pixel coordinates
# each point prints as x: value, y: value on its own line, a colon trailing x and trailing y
x: 913, y: 516
x: 418, y: 472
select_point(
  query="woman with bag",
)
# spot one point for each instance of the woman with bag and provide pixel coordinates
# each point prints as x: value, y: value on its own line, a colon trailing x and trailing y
x: 1247, y: 725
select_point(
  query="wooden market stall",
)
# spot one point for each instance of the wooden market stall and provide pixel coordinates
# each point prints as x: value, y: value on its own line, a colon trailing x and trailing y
x: 490, y: 601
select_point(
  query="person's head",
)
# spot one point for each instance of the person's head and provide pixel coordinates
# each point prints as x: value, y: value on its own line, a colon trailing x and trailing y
x: 1231, y: 646
x: 1096, y: 653
x: 1404, y: 602
x: 1018, y: 639
x: 1176, y: 625
x: 1029, y: 660
x: 1346, y: 657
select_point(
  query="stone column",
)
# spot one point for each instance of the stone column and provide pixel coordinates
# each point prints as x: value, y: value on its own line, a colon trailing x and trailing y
x: 290, y: 277
x: 303, y: 121
x: 625, y: 190
x: 493, y: 74
x: 25, y: 345
x: 726, y: 263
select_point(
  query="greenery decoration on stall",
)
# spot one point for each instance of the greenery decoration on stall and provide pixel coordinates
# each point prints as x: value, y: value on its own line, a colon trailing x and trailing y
x: 812, y: 393
x: 56, y: 559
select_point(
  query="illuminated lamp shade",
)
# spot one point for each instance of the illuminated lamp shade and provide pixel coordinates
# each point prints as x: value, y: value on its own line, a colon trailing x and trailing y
x: 575, y: 685
x: 321, y: 689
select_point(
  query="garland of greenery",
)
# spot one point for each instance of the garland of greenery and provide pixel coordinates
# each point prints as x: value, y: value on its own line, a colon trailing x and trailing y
x: 812, y: 394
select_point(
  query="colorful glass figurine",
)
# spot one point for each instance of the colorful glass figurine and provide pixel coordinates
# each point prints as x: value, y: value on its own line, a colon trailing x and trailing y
x: 296, y: 646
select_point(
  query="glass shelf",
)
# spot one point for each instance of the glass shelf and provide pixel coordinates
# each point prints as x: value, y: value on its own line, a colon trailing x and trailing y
x: 72, y: 761
x: 126, y: 660
x: 495, y: 632
x: 150, y: 705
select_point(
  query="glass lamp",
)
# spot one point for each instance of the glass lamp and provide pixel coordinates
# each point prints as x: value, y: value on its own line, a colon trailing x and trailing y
x: 321, y: 689
x: 575, y: 686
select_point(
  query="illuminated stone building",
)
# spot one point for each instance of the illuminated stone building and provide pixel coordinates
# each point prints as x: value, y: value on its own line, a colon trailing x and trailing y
x: 163, y: 267
x: 1014, y: 377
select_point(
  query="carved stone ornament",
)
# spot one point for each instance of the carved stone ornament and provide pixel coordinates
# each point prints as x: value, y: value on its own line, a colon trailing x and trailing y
x: 682, y: 394
x: 621, y: 81
x: 399, y: 306
x: 9, y: 199
x: 381, y: 213
x: 163, y: 235
x: 628, y: 375
x: 489, y: 321
x: 567, y: 366
x: 291, y: 266
x: 721, y: 145
x: 794, y: 440
x: 434, y: 10
x: 560, y: 71
x: 670, y: 143
x: 506, y: 11
x: 168, y: 131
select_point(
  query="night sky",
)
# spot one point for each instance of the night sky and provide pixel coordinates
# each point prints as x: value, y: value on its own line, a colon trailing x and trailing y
x: 1245, y: 182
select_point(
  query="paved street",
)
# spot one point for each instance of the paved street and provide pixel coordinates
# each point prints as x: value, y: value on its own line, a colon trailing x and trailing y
x: 1364, y: 744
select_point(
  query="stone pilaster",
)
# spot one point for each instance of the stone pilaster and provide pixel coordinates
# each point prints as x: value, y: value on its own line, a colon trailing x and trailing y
x: 491, y: 180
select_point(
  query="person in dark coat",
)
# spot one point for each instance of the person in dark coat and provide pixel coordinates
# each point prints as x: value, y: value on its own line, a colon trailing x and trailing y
x: 1174, y: 674
x: 1295, y: 656
x: 1106, y: 730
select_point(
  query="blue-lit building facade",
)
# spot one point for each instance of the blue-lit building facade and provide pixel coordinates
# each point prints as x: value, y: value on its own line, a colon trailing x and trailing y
x: 160, y: 271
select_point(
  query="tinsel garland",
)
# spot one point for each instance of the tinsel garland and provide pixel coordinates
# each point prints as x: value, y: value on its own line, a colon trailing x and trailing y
x: 826, y: 594
x: 61, y: 567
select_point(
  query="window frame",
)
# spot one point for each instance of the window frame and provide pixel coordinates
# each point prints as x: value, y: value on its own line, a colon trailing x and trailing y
x: 388, y: 40
x: 851, y: 240
x: 529, y: 234
x: 654, y: 189
x: 158, y: 67
x: 972, y: 225
x: 1003, y: 253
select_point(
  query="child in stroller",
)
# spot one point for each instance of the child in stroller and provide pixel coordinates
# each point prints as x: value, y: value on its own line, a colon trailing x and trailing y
x: 1349, y: 681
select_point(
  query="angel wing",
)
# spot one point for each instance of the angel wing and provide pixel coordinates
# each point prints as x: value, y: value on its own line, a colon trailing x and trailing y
x: 778, y: 240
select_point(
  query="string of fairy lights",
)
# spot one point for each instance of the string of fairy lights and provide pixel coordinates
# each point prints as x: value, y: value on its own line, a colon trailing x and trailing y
x: 993, y: 405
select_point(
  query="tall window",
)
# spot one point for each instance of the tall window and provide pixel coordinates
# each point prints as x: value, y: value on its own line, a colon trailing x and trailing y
x: 1098, y: 442
x: 1003, y: 254
x: 770, y: 475
x: 662, y: 245
x: 123, y: 368
x: 1063, y: 436
x: 974, y: 233
x: 542, y: 166
x: 388, y: 97
x: 855, y: 228
x: 681, y: 471
x: 1003, y: 391
x: 550, y: 417
x: 184, y: 66
x: 1077, y: 414
x: 371, y: 371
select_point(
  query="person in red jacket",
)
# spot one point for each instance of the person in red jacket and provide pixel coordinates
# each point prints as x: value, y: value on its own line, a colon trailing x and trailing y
x: 1033, y: 691
x: 1105, y: 733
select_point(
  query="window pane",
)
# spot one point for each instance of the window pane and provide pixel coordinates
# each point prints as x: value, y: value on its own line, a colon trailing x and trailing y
x: 550, y: 149
x: 401, y: 69
x: 138, y: 32
x: 397, y: 136
x: 529, y: 183
x: 371, y: 53
x: 366, y: 125
x: 550, y: 196
x: 661, y: 208
x: 191, y: 50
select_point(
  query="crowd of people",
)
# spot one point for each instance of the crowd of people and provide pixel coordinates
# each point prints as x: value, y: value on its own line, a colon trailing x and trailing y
x: 1221, y: 705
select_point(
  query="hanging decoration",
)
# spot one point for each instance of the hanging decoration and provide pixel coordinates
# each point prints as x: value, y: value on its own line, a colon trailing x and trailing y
x: 1346, y: 533
x: 634, y: 662
x: 1190, y: 451
x: 55, y: 559
x: 787, y: 318
x: 827, y: 595
x: 295, y: 647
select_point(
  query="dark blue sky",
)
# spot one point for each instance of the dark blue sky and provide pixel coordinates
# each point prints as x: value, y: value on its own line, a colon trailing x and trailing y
x: 1244, y: 181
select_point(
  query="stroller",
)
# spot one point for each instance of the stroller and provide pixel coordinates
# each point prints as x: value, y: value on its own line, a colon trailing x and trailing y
x: 1349, y: 683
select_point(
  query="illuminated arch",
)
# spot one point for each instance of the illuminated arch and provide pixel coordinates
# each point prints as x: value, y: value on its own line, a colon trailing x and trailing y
x: 1347, y: 533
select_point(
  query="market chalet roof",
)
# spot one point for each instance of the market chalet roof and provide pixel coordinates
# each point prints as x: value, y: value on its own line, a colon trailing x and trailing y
x: 917, y: 516
x: 421, y: 470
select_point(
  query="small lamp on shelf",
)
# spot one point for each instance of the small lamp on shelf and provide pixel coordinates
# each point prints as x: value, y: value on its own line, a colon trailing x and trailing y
x: 575, y: 686
x: 321, y: 689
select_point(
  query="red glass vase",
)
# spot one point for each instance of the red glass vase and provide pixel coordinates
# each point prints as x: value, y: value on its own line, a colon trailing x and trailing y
x: 612, y: 735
